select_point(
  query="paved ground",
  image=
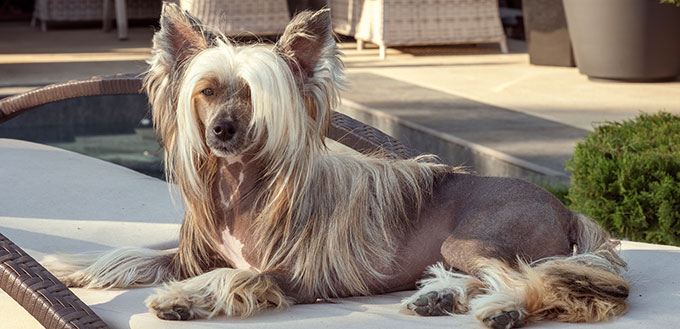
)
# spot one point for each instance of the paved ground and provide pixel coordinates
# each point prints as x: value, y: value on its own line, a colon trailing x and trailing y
x: 470, y: 104
x: 29, y: 57
x: 509, y: 81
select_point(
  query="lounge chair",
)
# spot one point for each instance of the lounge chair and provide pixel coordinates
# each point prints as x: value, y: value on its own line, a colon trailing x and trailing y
x: 55, y: 200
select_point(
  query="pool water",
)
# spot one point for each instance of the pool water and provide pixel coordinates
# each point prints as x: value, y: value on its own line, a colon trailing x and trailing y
x: 114, y: 128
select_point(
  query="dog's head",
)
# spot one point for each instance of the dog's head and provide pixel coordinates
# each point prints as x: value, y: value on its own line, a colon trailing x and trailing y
x: 211, y: 96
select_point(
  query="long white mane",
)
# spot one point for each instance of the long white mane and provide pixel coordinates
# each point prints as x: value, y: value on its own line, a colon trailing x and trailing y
x: 333, y: 220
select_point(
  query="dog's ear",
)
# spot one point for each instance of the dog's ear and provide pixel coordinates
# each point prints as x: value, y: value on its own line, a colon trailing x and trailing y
x: 308, y: 46
x: 180, y: 37
x: 306, y: 41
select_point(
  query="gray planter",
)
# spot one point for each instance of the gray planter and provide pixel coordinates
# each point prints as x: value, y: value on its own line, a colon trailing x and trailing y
x: 632, y: 40
x: 546, y: 32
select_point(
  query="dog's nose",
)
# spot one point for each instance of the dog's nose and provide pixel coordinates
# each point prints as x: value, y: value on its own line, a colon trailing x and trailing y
x: 224, y: 130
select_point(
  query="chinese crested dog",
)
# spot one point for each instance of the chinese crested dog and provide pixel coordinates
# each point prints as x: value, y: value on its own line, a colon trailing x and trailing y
x: 272, y: 218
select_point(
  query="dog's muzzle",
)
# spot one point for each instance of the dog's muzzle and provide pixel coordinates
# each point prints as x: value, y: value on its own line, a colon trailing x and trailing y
x: 224, y: 130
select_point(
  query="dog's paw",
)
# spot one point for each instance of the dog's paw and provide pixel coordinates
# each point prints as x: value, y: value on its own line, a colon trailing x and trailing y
x: 505, y: 320
x: 178, y: 312
x: 168, y: 307
x: 433, y: 303
x: 436, y: 303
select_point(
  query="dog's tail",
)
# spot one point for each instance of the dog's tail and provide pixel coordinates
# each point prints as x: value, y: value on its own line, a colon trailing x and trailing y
x: 118, y: 268
x: 583, y: 287
x: 588, y: 237
x: 586, y: 286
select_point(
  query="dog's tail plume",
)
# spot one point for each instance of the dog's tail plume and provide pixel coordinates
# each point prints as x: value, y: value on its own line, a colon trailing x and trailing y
x: 586, y: 286
x: 590, y: 238
x: 118, y: 268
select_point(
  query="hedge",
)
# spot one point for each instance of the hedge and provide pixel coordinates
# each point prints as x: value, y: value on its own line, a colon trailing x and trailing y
x: 626, y: 176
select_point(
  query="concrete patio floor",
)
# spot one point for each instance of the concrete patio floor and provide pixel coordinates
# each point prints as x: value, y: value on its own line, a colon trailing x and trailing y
x: 495, y: 112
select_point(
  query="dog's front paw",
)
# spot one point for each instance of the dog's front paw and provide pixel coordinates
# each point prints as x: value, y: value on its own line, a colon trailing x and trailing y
x: 167, y: 306
x: 178, y: 312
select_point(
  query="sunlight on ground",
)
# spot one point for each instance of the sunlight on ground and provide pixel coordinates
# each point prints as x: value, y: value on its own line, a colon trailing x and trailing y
x: 74, y: 57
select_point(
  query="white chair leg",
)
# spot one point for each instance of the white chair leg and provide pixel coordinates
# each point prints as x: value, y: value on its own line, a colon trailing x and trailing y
x: 504, y: 46
x: 36, y: 14
x: 34, y: 18
x: 121, y: 19
x: 360, y: 45
x: 383, y: 51
x: 107, y: 16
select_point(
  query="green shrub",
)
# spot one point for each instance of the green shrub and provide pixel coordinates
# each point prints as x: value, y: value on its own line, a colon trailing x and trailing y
x: 626, y: 176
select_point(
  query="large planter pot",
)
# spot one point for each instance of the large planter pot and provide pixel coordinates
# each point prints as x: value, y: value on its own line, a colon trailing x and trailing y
x: 546, y: 32
x: 635, y: 40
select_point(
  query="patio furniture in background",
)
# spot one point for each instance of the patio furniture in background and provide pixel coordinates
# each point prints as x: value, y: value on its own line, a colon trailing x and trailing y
x: 121, y: 17
x: 94, y: 10
x: 388, y: 23
x: 239, y: 17
x: 545, y: 27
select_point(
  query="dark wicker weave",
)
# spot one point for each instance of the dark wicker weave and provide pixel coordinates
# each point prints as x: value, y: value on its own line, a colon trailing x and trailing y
x: 40, y: 293
x: 43, y: 295
x: 344, y: 129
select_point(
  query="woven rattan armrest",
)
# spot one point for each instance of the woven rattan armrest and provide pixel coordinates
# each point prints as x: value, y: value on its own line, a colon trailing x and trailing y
x: 40, y: 293
x: 43, y: 295
x: 343, y: 129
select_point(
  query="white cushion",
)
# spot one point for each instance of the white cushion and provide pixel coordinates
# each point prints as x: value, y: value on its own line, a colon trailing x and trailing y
x: 55, y: 200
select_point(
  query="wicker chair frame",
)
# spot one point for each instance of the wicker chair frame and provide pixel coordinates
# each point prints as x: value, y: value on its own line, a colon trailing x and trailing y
x: 43, y: 295
x: 390, y: 23
x: 238, y: 18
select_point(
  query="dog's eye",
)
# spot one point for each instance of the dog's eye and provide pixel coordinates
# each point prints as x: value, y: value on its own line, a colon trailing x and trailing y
x: 207, y: 91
